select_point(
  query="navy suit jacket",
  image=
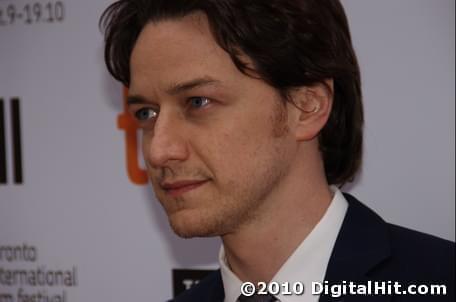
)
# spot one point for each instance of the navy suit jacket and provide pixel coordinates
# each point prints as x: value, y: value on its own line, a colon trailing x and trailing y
x: 368, y: 248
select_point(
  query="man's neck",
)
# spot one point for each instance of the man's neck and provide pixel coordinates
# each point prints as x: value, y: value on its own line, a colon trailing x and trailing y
x: 259, y: 248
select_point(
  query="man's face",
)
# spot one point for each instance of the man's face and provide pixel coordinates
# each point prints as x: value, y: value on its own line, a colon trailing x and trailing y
x: 215, y: 141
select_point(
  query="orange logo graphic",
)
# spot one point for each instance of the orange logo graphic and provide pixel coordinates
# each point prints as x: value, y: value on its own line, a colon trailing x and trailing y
x: 127, y: 123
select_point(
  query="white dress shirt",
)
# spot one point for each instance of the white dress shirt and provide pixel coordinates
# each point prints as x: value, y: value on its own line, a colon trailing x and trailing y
x: 307, y: 263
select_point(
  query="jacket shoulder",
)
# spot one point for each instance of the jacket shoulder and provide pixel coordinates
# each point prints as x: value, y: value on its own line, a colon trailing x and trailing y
x: 425, y: 256
x: 391, y: 252
x: 369, y: 248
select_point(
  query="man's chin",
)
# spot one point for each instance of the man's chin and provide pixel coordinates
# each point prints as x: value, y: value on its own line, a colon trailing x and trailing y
x: 188, y: 224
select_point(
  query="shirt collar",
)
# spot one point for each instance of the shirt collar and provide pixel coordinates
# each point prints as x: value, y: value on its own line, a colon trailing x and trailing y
x: 307, y: 263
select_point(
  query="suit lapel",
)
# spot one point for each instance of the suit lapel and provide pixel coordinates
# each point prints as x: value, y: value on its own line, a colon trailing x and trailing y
x: 362, y: 243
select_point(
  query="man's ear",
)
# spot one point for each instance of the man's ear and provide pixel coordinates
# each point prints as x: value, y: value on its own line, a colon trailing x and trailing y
x: 311, y: 106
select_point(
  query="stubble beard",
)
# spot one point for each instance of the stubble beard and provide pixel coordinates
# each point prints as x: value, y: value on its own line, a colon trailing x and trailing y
x: 236, y: 206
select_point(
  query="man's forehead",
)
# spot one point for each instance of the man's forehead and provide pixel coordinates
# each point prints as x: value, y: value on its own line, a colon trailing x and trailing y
x: 174, y: 44
x: 163, y: 35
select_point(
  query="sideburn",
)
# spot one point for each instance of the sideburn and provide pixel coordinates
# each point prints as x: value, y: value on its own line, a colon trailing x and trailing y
x: 279, y: 120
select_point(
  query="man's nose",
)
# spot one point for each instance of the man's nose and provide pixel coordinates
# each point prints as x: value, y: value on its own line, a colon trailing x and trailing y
x: 166, y: 142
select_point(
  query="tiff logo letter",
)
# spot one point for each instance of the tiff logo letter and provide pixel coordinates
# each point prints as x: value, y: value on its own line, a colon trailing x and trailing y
x: 126, y: 122
x: 16, y: 142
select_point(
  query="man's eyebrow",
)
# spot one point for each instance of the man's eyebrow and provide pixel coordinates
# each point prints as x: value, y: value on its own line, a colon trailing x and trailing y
x: 176, y: 88
x: 191, y: 84
x: 136, y: 99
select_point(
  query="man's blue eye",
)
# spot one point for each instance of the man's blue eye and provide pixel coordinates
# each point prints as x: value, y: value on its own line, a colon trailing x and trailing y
x: 145, y: 114
x: 198, y: 102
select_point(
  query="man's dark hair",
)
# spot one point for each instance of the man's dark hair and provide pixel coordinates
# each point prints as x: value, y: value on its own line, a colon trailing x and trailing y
x: 292, y: 43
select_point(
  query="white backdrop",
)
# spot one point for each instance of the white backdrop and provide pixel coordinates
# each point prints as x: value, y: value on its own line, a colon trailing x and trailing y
x: 83, y: 215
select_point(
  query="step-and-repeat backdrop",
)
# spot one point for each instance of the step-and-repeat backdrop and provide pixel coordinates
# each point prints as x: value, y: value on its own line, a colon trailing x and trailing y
x: 78, y: 221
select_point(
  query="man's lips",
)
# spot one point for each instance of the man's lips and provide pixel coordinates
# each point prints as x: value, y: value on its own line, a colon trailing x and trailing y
x: 180, y: 187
